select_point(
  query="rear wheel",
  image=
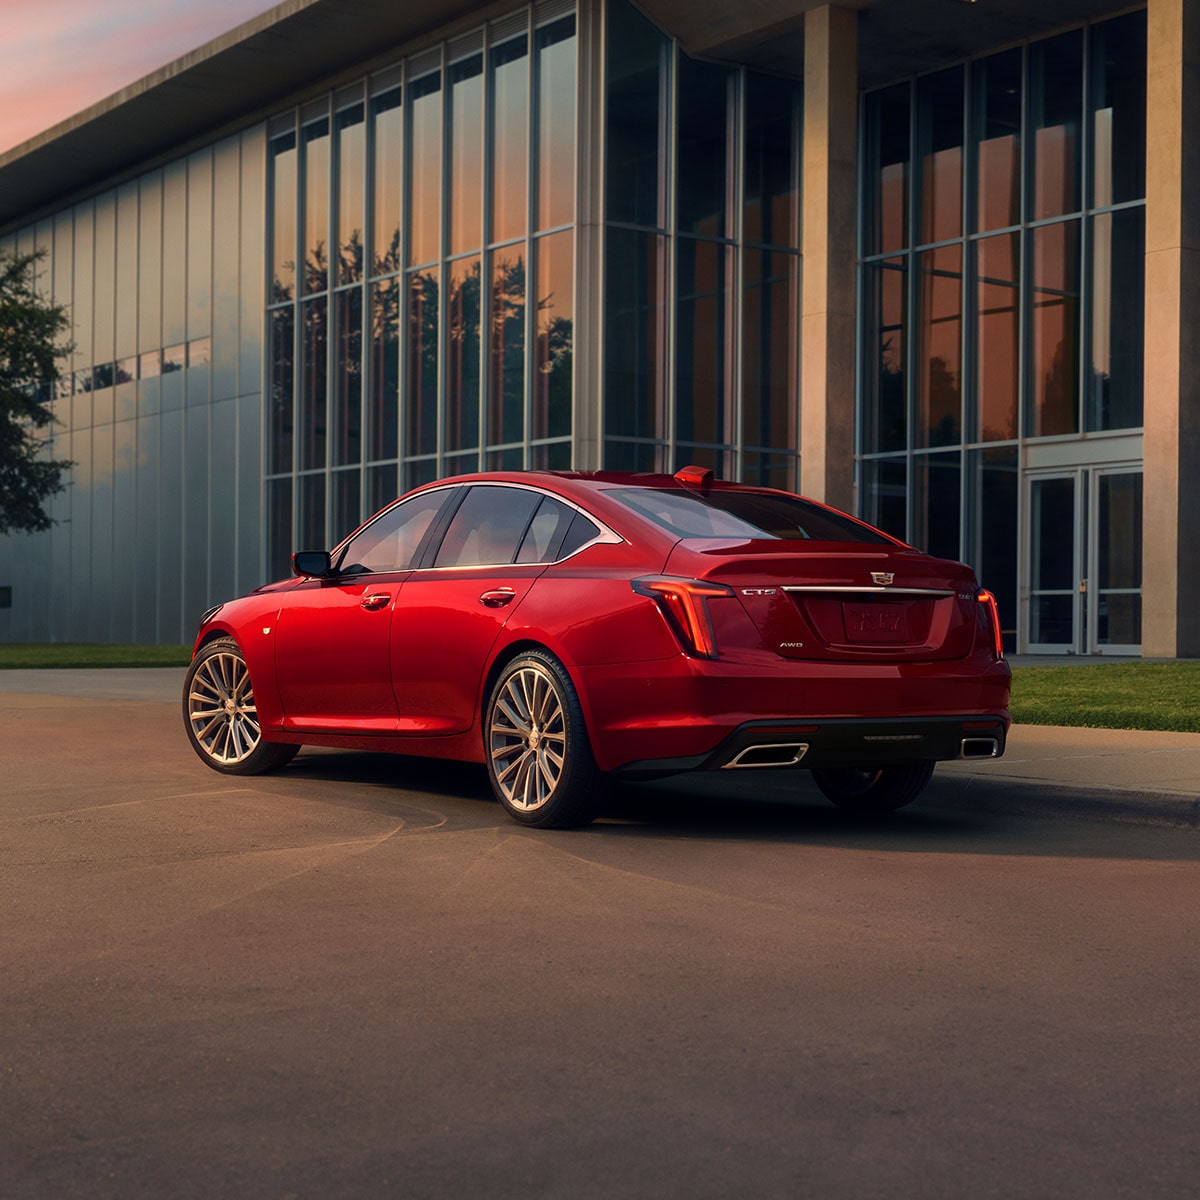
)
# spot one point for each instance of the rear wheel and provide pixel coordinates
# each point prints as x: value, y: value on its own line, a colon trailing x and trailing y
x: 876, y: 789
x: 539, y: 759
x: 221, y: 717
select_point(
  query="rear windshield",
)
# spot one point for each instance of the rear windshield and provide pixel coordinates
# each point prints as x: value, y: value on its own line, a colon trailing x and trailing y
x: 732, y: 514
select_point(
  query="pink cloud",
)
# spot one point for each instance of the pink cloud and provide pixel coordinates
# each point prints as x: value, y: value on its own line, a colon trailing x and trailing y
x: 57, y: 59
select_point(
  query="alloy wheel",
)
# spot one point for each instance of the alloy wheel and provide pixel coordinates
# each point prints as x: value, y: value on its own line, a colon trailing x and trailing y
x: 221, y: 709
x: 528, y: 738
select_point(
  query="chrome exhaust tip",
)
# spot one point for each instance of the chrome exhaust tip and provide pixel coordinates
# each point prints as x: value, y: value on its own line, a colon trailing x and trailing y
x: 979, y: 747
x: 768, y: 754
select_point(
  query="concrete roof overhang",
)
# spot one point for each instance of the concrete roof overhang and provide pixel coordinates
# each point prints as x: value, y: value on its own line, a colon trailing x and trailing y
x: 896, y: 38
x: 299, y: 43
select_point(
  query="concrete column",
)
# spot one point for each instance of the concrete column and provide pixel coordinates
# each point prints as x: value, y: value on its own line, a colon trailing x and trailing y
x: 830, y: 195
x: 1171, y: 527
x: 587, y: 450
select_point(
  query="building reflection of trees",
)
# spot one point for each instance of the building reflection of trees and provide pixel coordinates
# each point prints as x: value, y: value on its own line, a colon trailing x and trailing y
x: 502, y: 359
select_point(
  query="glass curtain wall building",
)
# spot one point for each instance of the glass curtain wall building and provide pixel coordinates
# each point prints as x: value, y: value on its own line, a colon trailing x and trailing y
x: 568, y: 235
x: 1002, y: 244
x: 439, y: 335
x: 702, y: 261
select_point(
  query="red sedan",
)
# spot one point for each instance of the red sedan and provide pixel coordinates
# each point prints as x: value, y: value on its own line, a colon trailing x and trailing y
x: 562, y: 627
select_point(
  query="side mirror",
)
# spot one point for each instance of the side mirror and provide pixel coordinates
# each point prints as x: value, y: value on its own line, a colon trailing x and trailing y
x: 315, y: 563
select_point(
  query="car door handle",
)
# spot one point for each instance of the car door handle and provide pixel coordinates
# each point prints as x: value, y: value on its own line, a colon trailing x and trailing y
x: 499, y: 598
x: 374, y: 600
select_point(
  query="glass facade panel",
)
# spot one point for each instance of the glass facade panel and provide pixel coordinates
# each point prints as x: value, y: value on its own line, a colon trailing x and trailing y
x: 702, y: 148
x: 310, y: 494
x: 347, y: 391
x: 1055, y: 124
x: 553, y: 353
x: 283, y: 217
x: 315, y: 138
x: 351, y: 177
x: 465, y: 154
x: 997, y: 336
x: 884, y: 377
x: 509, y: 78
x: 937, y: 490
x: 463, y: 361
x: 939, y: 347
x: 387, y: 153
x: 314, y: 364
x: 636, y: 88
x: 940, y: 138
x: 506, y: 348
x: 422, y: 399
x: 1118, y: 110
x: 770, y: 188
x: 769, y: 352
x: 425, y: 170
x: 345, y: 504
x: 701, y: 385
x: 1118, y: 312
x: 383, y: 413
x: 888, y: 154
x: 885, y: 495
x: 556, y: 124
x: 635, y: 323
x: 996, y: 140
x: 1054, y: 329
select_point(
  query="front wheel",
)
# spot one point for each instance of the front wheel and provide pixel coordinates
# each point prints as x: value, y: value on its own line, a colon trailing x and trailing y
x: 874, y: 790
x: 221, y: 717
x: 539, y: 759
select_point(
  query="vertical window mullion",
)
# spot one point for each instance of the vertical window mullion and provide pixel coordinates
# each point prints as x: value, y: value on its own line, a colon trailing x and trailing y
x: 668, y: 117
x: 735, y: 124
x: 443, y: 271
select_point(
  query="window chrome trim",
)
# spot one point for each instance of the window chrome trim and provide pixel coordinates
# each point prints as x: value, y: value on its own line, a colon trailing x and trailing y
x: 606, y: 536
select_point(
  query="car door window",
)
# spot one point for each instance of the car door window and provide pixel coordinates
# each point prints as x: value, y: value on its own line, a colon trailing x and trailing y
x: 488, y: 528
x: 391, y: 541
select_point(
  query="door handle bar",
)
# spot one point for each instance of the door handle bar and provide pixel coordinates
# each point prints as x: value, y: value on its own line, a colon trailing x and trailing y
x: 498, y: 598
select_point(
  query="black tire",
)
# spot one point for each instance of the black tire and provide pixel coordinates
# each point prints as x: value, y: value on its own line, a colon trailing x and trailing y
x: 220, y: 716
x: 874, y: 790
x: 535, y: 742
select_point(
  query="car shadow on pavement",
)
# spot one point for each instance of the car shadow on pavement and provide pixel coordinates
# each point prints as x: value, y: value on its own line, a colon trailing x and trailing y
x: 763, y: 806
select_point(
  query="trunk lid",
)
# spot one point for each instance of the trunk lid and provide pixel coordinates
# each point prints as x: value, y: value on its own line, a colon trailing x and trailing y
x: 841, y: 600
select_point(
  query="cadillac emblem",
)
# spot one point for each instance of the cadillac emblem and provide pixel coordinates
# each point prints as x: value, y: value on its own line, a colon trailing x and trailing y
x: 883, y: 578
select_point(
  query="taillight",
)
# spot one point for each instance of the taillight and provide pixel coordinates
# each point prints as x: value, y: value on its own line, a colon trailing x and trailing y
x: 992, y: 614
x: 684, y: 602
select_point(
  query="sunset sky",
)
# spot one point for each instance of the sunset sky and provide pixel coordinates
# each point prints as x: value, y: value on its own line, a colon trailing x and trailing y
x: 60, y: 56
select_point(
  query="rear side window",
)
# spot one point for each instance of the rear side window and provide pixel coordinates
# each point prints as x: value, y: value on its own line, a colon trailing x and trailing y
x: 545, y: 531
x: 733, y: 514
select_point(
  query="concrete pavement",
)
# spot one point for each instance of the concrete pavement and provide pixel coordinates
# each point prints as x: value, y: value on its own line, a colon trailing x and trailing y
x: 1122, y: 774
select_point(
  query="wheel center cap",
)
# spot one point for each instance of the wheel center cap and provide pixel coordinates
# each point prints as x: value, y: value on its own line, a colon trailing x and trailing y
x: 230, y: 707
x: 534, y: 740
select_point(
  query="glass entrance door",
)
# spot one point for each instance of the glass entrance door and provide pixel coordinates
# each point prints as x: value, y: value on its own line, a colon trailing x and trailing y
x: 1083, y: 592
x: 1053, y: 610
x: 1115, y: 591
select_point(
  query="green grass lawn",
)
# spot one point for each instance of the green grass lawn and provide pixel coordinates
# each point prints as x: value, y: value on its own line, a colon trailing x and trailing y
x: 1129, y: 695
x: 1110, y: 696
x: 77, y: 654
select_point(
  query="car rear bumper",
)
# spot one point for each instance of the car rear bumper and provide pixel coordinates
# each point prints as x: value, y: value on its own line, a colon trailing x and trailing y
x: 686, y: 714
x: 841, y: 743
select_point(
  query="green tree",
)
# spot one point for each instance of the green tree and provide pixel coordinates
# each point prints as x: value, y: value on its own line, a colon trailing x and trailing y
x: 30, y: 347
